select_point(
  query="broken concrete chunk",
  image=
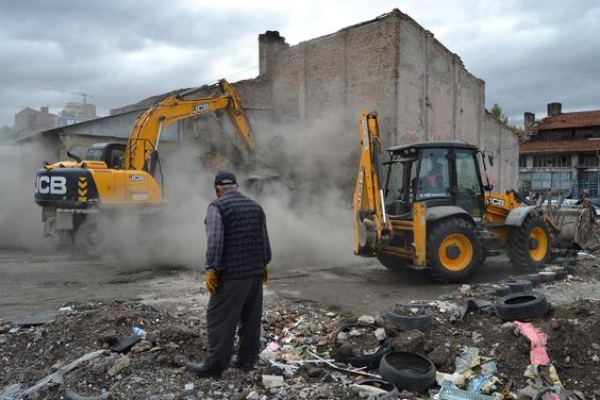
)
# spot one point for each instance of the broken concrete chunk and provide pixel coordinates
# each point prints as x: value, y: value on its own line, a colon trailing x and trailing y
x: 355, y: 333
x: 272, y: 381
x: 380, y: 334
x: 119, y: 365
x: 140, y: 347
x: 367, y: 319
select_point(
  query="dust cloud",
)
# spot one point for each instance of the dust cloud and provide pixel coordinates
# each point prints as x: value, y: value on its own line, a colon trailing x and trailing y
x: 308, y: 206
x: 20, y: 218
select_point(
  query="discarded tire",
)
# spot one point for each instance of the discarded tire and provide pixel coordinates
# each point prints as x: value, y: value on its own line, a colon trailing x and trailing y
x: 519, y: 286
x: 408, y: 371
x: 522, y: 306
x: 408, y: 322
x: 371, y: 360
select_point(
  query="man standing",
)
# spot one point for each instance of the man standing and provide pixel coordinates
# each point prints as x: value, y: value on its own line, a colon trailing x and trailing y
x: 237, y: 257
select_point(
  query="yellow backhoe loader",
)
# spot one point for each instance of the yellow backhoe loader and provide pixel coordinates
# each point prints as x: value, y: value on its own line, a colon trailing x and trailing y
x: 427, y: 207
x: 117, y: 177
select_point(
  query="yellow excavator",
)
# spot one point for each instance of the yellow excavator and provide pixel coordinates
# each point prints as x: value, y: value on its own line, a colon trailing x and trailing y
x: 116, y: 177
x: 428, y: 208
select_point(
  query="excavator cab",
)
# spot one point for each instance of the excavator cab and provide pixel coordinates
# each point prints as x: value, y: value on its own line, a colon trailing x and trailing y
x: 437, y: 174
x: 113, y: 154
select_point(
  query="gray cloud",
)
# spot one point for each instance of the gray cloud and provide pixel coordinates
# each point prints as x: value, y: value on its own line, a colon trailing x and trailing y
x: 117, y: 51
x: 529, y: 53
x: 533, y: 53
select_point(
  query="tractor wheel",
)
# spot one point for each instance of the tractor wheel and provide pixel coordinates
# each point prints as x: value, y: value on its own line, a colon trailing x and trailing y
x: 89, y: 238
x: 61, y: 238
x: 454, y: 250
x: 529, y: 244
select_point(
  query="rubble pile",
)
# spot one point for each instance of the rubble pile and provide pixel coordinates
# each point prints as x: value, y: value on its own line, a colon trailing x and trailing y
x: 130, y: 350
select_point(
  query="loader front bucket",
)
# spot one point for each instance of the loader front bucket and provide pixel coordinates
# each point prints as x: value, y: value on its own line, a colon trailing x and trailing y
x: 576, y: 228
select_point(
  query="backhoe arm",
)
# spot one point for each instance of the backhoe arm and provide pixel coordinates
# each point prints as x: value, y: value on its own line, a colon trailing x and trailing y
x: 372, y: 228
x: 149, y: 126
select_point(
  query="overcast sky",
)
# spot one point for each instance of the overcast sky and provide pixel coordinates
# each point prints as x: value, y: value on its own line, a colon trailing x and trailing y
x: 528, y: 52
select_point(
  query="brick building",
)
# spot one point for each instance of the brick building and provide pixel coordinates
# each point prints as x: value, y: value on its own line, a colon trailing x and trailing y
x: 561, y: 150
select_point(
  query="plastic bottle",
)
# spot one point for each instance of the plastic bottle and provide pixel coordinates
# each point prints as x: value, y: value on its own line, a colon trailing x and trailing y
x: 138, y: 332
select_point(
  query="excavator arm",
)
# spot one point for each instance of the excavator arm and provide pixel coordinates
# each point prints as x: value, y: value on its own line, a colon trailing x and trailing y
x: 148, y: 127
x: 372, y: 227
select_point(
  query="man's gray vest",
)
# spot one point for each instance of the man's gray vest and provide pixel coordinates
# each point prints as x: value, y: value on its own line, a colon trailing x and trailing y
x: 243, y: 244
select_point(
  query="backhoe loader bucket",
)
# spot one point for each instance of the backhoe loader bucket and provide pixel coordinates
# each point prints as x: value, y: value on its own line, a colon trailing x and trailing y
x: 574, y: 225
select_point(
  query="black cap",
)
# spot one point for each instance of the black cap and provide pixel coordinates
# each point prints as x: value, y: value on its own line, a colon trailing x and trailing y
x: 224, y: 177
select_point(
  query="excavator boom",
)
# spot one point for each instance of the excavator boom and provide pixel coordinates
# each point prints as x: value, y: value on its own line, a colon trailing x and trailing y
x: 146, y: 132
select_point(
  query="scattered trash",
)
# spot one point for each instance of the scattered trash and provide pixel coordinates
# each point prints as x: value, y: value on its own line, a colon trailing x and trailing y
x: 299, y: 354
x: 138, y: 332
x: 124, y: 344
x: 362, y: 347
x: 583, y: 255
x: 188, y: 387
x: 448, y: 391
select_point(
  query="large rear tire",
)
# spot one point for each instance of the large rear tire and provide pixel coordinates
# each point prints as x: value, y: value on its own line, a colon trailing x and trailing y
x: 454, y: 249
x: 529, y: 244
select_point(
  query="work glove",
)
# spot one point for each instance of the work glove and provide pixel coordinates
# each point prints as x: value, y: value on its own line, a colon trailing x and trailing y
x: 211, y: 279
x: 266, y: 274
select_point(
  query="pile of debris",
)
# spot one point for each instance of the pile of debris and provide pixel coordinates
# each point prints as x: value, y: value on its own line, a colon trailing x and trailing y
x: 129, y: 350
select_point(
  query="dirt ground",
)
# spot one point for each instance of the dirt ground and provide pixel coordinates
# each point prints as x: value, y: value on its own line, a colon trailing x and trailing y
x: 304, y: 309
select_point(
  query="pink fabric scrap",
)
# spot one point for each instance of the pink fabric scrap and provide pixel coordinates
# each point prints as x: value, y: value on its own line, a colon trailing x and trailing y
x: 273, y: 347
x: 538, y: 353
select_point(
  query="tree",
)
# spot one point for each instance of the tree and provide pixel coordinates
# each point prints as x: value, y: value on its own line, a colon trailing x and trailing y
x: 497, y: 113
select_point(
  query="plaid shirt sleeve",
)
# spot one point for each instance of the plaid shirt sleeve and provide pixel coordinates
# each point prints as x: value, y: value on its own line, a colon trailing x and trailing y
x: 213, y: 225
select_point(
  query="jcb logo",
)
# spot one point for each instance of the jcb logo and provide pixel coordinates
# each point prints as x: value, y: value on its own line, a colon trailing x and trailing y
x: 51, y: 185
x: 136, y: 178
x: 496, y: 202
x: 199, y: 108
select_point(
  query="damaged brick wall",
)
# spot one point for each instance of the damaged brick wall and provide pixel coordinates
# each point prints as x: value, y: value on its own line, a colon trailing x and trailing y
x: 421, y: 90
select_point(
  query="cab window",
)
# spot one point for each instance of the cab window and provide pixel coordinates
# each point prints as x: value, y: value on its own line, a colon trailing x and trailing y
x: 433, y: 180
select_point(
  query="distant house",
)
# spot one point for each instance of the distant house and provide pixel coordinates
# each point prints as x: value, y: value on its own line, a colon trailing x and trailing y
x: 561, y: 151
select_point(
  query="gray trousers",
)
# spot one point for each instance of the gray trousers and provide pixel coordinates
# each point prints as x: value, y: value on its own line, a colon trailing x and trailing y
x: 237, y: 303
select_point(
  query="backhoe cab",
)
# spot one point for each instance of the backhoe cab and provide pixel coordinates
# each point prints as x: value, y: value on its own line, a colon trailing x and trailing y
x: 427, y: 207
